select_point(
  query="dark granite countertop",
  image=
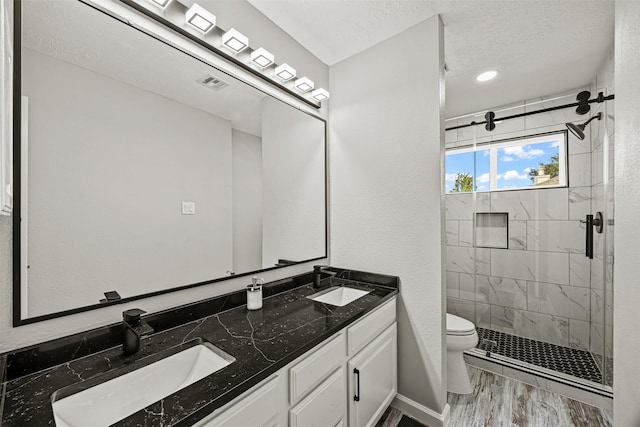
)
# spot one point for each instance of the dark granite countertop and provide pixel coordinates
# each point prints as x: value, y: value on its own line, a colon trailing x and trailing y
x: 262, y: 341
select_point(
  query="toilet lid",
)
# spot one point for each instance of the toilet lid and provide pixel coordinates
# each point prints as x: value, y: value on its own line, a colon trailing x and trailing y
x: 459, y: 326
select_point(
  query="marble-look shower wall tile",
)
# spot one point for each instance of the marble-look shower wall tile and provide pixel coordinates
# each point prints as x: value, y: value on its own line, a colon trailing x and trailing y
x: 500, y: 291
x: 537, y: 326
x: 483, y: 261
x: 521, y: 205
x: 465, y: 233
x: 467, y: 287
x: 453, y: 285
x: 597, y: 127
x: 579, y: 333
x: 555, y: 236
x: 532, y: 266
x: 597, y: 157
x: 597, y: 338
x: 580, y: 170
x: 483, y: 202
x: 579, y: 146
x: 597, y: 274
x: 517, y: 235
x: 579, y: 202
x: 459, y: 206
x: 483, y: 315
x: 452, y: 233
x: 556, y: 117
x: 460, y: 259
x: 601, y: 310
x: 461, y: 308
x: 565, y: 301
x: 579, y: 270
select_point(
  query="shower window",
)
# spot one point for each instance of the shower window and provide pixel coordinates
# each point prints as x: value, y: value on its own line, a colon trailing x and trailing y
x: 537, y: 161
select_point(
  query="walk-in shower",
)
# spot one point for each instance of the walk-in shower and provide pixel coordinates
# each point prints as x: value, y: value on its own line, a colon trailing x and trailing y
x: 522, y: 200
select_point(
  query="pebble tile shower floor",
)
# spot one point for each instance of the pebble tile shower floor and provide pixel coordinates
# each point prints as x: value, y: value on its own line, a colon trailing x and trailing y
x: 571, y: 361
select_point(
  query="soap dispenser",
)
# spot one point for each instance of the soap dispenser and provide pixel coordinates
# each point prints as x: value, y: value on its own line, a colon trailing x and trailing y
x: 254, y: 294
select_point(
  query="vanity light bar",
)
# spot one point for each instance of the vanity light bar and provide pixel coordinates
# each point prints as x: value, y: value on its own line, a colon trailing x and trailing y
x: 235, y: 40
x: 320, y: 94
x: 161, y: 3
x: 285, y: 72
x: 262, y: 57
x: 303, y: 84
x: 200, y: 18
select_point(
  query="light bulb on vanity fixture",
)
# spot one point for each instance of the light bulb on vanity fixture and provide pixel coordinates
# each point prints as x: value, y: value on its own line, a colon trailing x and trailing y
x: 235, y: 40
x: 285, y: 72
x: 200, y: 18
x: 162, y: 4
x: 303, y: 84
x: 262, y: 57
x: 320, y: 94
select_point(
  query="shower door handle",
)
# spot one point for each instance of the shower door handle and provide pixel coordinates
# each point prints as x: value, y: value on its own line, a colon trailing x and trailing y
x: 591, y: 222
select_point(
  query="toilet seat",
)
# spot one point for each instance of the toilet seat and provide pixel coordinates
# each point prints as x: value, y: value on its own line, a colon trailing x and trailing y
x: 459, y: 326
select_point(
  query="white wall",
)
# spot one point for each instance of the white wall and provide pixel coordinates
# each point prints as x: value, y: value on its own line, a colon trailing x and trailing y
x: 386, y: 189
x: 245, y: 16
x: 626, y: 339
x: 247, y: 201
x: 293, y: 179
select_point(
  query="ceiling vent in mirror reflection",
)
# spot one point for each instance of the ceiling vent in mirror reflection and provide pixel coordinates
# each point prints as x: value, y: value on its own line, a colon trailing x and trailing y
x: 212, y: 82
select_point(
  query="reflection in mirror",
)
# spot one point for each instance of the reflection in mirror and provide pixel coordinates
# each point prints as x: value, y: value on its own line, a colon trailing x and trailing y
x: 145, y: 169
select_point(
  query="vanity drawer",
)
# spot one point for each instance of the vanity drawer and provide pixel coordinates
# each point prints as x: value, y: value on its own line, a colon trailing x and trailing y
x: 307, y: 374
x: 370, y: 326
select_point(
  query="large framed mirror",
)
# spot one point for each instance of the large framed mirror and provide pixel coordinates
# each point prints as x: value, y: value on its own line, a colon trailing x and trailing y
x: 143, y: 170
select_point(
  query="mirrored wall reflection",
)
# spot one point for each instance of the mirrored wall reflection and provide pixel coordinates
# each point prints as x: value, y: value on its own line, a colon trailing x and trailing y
x: 540, y: 291
x: 147, y: 169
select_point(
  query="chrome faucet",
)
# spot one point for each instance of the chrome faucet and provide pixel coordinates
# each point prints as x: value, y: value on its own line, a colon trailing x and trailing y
x: 134, y: 329
x: 317, y: 274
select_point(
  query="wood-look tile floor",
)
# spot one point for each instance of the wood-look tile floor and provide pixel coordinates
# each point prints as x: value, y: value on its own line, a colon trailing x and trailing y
x: 498, y: 401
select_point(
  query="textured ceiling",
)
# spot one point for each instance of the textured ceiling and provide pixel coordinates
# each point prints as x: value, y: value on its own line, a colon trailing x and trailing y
x: 539, y: 47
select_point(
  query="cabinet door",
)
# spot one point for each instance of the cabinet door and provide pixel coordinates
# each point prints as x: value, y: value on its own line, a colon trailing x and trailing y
x: 373, y: 379
x: 326, y: 406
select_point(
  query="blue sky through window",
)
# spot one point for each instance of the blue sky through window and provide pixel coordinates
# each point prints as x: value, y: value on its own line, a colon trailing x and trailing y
x: 513, y: 164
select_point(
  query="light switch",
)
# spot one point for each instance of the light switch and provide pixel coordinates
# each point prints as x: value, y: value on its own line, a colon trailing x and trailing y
x: 188, y: 208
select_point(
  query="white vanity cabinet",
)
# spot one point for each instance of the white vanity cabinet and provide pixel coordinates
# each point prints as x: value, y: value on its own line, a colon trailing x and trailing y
x: 373, y: 379
x: 320, y: 388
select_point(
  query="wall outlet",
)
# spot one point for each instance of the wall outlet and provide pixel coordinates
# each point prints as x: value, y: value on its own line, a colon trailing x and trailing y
x: 188, y: 208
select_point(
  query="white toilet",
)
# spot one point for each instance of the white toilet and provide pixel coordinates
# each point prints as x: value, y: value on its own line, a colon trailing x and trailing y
x: 461, y: 336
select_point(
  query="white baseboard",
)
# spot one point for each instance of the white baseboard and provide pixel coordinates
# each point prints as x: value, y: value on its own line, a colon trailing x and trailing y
x: 420, y: 412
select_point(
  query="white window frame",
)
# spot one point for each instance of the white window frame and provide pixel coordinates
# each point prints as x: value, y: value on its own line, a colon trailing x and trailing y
x: 494, y: 146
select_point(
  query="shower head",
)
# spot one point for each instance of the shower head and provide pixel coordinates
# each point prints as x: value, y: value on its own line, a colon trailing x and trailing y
x: 578, y: 130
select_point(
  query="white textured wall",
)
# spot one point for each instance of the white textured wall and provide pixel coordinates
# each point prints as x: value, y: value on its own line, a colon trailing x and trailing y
x: 143, y: 154
x: 247, y: 201
x: 293, y: 179
x: 386, y: 189
x: 244, y: 16
x: 626, y: 339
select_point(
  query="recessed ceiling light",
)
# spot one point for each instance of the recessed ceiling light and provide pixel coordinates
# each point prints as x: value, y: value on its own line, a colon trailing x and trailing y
x: 303, y: 84
x: 262, y: 57
x: 235, y: 40
x: 200, y: 18
x: 285, y: 72
x: 320, y: 94
x: 486, y: 76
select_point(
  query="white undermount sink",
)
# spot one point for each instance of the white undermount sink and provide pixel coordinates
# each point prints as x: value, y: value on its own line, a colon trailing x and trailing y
x: 115, y: 399
x: 338, y: 295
